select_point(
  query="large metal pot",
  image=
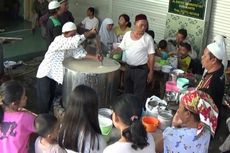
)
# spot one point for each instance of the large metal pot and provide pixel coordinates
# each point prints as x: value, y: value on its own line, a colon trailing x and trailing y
x: 104, y: 79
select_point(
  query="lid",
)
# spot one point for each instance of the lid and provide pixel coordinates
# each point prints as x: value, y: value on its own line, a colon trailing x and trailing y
x: 91, y: 66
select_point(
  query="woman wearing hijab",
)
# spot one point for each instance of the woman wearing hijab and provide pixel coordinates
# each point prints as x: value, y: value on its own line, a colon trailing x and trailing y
x: 193, y: 124
x: 107, y: 35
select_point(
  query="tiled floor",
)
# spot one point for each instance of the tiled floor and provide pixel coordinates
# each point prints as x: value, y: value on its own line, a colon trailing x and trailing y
x: 32, y: 44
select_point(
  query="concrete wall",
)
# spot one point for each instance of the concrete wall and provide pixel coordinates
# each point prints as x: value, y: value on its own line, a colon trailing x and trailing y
x: 79, y: 8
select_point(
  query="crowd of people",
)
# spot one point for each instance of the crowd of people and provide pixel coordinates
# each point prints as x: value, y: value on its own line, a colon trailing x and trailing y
x: 193, y: 124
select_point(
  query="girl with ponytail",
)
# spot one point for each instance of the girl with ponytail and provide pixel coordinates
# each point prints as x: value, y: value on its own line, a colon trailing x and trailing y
x: 127, y: 118
x: 16, y: 123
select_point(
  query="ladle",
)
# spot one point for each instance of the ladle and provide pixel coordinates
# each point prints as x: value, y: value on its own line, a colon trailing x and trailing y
x: 98, y: 45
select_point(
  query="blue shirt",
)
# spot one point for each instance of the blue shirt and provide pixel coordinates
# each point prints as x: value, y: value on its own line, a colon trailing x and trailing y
x: 184, y: 140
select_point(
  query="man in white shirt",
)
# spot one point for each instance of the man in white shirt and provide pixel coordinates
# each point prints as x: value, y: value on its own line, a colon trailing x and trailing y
x: 50, y: 72
x: 139, y: 51
x: 90, y: 21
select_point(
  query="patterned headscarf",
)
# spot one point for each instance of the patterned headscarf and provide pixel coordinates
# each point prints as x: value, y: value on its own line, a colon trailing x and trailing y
x: 202, y: 104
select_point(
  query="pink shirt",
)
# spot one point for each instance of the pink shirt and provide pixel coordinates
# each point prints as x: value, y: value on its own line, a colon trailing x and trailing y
x: 15, y: 131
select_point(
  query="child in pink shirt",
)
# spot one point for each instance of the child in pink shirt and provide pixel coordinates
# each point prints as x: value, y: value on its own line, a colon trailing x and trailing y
x: 16, y: 124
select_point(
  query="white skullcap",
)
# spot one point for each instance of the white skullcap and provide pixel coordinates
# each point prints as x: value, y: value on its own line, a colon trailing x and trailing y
x: 53, y: 5
x: 216, y: 50
x: 68, y: 26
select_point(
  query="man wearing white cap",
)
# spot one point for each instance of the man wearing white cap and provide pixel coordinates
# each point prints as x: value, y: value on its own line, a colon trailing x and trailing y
x: 66, y: 15
x: 213, y: 81
x: 53, y: 26
x: 50, y: 72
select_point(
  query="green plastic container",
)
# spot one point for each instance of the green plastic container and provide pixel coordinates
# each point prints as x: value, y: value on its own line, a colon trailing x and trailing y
x: 117, y: 56
x: 105, y: 124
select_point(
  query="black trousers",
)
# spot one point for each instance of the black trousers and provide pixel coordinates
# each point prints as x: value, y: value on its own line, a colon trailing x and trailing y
x: 135, y: 81
x: 47, y: 90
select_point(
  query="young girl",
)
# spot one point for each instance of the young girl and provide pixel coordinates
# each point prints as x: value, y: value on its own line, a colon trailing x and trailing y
x: 124, y: 25
x: 47, y: 127
x: 80, y: 131
x: 15, y: 125
x: 127, y: 118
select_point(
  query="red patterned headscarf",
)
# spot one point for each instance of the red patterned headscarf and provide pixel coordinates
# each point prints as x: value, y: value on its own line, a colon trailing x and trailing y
x: 202, y: 104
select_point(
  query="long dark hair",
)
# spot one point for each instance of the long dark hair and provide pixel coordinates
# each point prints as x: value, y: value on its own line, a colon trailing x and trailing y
x: 10, y: 91
x: 127, y: 107
x: 80, y: 121
x: 127, y: 19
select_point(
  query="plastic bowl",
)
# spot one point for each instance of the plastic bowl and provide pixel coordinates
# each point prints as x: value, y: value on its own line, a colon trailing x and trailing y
x: 166, y: 68
x: 181, y: 82
x: 150, y: 123
x: 117, y: 56
x: 105, y: 124
x: 178, y: 71
x: 163, y: 62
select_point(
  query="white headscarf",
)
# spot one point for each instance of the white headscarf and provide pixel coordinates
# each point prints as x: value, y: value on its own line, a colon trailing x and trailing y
x: 220, y: 40
x: 105, y: 35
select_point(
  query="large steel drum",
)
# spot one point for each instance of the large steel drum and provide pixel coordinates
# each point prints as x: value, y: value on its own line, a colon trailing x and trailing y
x: 103, y: 78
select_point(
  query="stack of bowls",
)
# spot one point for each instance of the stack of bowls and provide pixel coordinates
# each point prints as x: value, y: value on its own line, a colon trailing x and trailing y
x: 178, y: 72
x: 165, y: 118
